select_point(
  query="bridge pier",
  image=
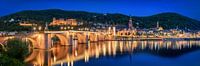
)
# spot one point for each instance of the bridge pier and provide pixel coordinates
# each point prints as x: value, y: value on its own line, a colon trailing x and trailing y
x: 87, y: 38
x: 47, y: 58
x: 47, y: 41
x: 70, y: 40
x: 96, y: 37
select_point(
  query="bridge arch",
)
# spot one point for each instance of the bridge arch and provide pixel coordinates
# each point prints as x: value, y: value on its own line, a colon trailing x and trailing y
x: 81, y: 37
x: 93, y: 37
x: 33, y: 42
x: 62, y: 38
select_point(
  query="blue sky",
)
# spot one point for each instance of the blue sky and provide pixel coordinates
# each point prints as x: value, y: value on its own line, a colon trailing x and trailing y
x: 190, y: 8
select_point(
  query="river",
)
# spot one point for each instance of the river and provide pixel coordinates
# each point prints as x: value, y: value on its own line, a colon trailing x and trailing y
x: 119, y: 53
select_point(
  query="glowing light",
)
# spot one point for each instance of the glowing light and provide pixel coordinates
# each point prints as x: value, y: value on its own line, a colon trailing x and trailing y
x: 34, y: 28
x: 39, y: 28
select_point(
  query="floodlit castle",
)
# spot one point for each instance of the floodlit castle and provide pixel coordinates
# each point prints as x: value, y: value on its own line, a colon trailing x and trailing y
x: 61, y: 21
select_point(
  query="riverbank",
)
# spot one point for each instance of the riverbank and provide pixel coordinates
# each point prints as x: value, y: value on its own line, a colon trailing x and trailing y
x: 152, y: 39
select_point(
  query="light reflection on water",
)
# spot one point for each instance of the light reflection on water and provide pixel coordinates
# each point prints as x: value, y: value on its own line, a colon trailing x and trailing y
x: 120, y: 51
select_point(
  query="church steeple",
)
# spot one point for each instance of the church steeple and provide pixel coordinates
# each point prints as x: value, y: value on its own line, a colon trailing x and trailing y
x: 130, y: 24
x: 158, y: 27
x: 157, y: 24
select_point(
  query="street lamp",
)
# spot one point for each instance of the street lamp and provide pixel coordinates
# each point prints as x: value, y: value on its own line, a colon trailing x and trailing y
x: 39, y: 28
x: 34, y: 28
x: 72, y: 27
x: 65, y: 28
x: 68, y: 27
x: 61, y: 28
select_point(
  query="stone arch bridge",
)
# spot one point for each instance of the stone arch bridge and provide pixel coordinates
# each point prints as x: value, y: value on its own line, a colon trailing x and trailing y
x: 43, y: 40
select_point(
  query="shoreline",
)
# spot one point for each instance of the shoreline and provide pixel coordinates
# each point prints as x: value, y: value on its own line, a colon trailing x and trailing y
x: 152, y: 39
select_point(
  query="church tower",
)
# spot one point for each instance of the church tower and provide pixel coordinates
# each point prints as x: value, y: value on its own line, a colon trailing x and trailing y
x: 130, y: 23
x: 157, y: 25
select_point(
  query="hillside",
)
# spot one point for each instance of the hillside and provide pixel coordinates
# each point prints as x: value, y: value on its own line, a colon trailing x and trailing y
x: 167, y: 20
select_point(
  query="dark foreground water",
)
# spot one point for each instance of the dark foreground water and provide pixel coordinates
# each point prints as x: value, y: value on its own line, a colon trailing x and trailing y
x: 120, y: 53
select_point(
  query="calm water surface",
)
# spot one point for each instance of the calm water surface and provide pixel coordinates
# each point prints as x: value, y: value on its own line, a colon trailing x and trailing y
x: 119, y: 53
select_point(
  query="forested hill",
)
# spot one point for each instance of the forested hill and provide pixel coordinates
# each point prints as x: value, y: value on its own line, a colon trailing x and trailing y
x: 166, y: 20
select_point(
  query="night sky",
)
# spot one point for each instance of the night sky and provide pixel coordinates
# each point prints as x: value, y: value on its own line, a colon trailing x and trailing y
x: 190, y: 8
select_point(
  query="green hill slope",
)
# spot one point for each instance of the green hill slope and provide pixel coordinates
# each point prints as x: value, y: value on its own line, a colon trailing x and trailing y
x: 166, y: 20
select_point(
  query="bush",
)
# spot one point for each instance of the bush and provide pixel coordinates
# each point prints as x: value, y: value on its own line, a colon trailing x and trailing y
x: 17, y: 49
x: 7, y: 61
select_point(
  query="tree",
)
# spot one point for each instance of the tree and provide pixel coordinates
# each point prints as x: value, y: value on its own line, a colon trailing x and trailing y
x: 2, y: 49
x: 7, y: 61
x: 17, y: 48
x: 13, y: 53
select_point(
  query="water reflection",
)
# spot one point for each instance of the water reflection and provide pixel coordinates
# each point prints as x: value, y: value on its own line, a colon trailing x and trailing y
x: 69, y: 55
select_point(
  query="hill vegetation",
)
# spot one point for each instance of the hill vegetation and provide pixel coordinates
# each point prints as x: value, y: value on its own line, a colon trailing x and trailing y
x: 166, y: 20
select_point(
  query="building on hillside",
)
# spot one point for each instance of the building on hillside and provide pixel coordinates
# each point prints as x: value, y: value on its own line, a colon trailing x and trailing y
x: 158, y: 27
x: 27, y: 24
x: 61, y: 21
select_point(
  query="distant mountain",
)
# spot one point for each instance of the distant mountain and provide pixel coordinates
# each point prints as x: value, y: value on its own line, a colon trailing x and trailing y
x: 166, y: 20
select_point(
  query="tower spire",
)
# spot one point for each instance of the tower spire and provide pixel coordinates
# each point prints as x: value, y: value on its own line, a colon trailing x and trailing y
x: 157, y: 24
x: 130, y: 24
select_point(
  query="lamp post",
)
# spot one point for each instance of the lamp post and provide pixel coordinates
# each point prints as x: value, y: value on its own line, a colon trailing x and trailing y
x: 61, y: 28
x: 34, y: 28
x: 40, y: 28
